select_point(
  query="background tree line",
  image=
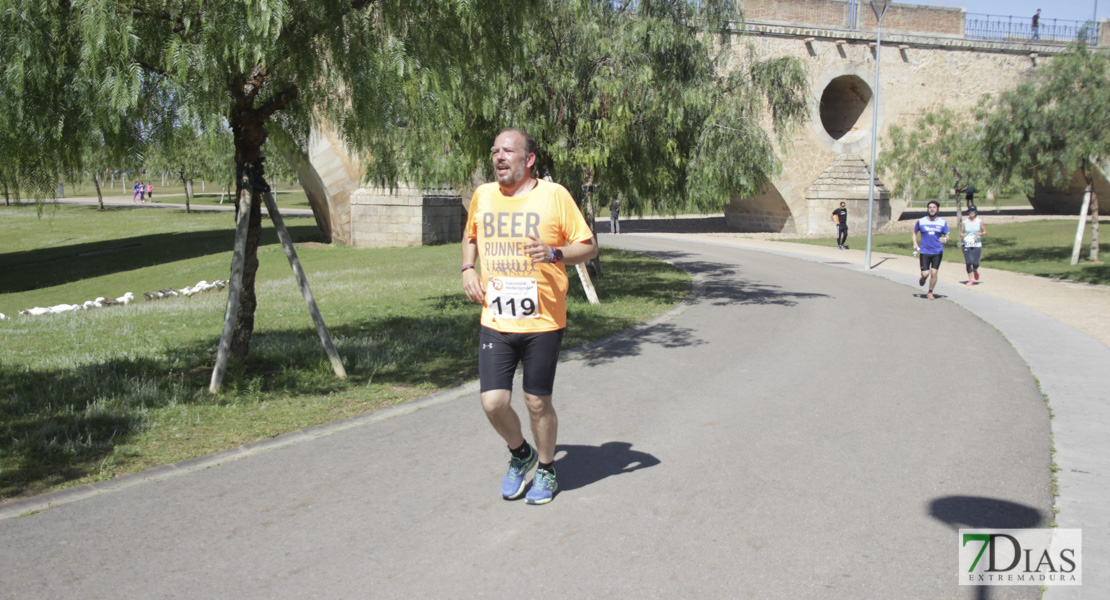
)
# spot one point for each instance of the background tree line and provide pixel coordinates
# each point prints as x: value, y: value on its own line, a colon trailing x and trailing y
x: 632, y: 98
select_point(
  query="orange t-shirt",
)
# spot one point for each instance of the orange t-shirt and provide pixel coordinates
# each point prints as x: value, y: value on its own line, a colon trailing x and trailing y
x: 522, y: 297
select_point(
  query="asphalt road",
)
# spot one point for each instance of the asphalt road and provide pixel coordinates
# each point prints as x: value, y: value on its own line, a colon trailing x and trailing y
x: 792, y: 431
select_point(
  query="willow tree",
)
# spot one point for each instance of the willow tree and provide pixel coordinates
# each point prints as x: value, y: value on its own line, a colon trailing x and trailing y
x: 362, y: 65
x: 941, y: 153
x: 190, y: 154
x: 1056, y: 124
x: 653, y: 101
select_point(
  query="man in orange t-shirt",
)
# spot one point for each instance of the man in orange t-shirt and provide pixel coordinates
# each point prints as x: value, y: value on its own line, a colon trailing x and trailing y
x: 525, y: 231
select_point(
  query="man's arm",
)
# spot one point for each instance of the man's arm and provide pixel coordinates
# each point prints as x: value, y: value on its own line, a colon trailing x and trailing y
x: 913, y: 238
x: 578, y: 253
x: 573, y: 254
x: 472, y: 283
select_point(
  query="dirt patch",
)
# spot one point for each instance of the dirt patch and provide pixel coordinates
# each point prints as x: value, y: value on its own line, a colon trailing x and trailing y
x: 312, y: 245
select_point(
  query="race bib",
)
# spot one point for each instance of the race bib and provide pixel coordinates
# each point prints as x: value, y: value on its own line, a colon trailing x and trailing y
x: 513, y: 298
x: 971, y: 240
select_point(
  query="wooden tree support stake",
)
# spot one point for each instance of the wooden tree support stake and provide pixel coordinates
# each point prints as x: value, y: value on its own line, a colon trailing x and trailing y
x: 234, y: 287
x: 1082, y: 226
x: 587, y: 283
x: 302, y: 281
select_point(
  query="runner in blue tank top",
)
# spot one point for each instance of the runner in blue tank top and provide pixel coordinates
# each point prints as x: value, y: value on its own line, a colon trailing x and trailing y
x: 934, y: 235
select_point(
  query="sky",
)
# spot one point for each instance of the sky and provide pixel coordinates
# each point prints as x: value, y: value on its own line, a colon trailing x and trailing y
x: 1074, y: 10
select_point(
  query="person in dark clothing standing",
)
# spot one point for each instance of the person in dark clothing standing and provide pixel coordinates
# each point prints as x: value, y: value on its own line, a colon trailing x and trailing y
x: 840, y: 217
x: 615, y: 217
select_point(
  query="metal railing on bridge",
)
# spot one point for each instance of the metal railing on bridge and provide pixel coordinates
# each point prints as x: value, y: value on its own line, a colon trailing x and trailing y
x: 1001, y: 28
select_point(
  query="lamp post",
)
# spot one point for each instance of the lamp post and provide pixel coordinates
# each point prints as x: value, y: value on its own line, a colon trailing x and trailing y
x: 1094, y: 26
x: 874, y: 124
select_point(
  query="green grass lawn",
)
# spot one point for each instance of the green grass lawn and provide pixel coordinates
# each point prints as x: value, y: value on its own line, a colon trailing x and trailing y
x: 287, y: 195
x: 90, y: 395
x: 981, y: 202
x: 1035, y: 247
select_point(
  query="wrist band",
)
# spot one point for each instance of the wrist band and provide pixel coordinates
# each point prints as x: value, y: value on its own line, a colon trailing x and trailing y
x: 552, y: 249
x: 465, y: 267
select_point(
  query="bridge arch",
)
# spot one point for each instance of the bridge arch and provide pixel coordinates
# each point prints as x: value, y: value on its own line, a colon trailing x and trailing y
x: 767, y: 212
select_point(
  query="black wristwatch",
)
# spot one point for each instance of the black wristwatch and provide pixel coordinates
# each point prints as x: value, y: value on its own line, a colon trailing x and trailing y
x: 556, y: 255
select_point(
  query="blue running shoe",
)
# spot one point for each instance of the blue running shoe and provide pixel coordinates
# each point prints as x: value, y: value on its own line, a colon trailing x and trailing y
x: 543, y: 487
x: 513, y: 484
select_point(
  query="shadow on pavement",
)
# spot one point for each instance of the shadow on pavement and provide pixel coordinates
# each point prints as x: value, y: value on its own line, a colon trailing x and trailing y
x: 583, y: 465
x: 663, y: 334
x: 977, y: 512
x: 665, y: 225
x: 723, y: 284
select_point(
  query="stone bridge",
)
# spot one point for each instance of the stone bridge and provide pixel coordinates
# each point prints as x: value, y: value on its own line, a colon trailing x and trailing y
x: 927, y: 61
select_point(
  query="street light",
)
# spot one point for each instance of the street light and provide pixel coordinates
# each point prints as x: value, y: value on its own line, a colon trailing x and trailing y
x: 874, y: 123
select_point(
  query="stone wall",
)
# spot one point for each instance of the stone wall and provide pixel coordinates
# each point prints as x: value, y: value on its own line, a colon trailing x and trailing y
x: 351, y: 214
x: 836, y: 14
x: 766, y: 212
x: 827, y: 13
x: 404, y: 217
x: 846, y: 180
x: 1067, y: 199
x: 933, y: 20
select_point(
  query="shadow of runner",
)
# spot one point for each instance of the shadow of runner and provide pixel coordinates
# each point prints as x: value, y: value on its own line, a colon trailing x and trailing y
x: 977, y: 512
x: 583, y: 465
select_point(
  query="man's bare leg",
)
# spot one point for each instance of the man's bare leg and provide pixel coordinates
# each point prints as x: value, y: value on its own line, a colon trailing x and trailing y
x: 545, y: 425
x: 502, y: 416
x: 932, y: 279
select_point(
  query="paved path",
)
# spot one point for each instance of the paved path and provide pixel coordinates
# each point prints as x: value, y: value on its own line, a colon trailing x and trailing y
x: 791, y: 431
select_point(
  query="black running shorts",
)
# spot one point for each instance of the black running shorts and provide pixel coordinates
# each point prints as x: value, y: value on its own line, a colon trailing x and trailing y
x: 500, y: 353
x: 930, y: 261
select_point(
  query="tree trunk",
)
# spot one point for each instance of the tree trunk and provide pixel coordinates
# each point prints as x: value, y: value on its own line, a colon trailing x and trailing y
x: 7, y: 197
x: 99, y: 195
x: 249, y: 133
x: 185, y: 184
x: 1094, y: 225
x: 593, y: 266
x: 248, y: 302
